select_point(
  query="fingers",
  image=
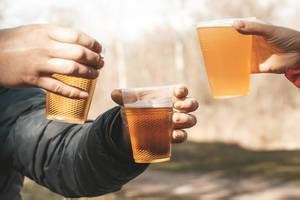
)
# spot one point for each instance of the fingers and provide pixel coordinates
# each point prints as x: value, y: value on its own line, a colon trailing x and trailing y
x: 186, y: 105
x: 71, y: 68
x: 179, y: 136
x: 57, y: 87
x: 183, y: 120
x: 71, y: 36
x: 76, y: 53
x: 279, y: 63
x: 116, y: 96
x: 180, y: 91
x: 254, y: 28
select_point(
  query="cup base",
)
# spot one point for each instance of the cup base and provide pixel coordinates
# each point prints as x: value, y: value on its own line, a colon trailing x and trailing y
x: 152, y: 161
x: 230, y: 96
x: 65, y: 119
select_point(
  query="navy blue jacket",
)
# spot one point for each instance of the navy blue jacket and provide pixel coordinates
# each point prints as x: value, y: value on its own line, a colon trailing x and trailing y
x: 72, y: 160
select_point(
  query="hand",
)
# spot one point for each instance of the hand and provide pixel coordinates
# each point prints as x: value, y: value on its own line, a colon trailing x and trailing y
x: 31, y: 54
x: 182, y: 118
x: 286, y: 40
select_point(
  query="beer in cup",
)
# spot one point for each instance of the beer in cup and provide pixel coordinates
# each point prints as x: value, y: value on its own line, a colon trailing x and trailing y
x: 230, y: 57
x: 227, y: 57
x: 66, y: 109
x: 147, y: 116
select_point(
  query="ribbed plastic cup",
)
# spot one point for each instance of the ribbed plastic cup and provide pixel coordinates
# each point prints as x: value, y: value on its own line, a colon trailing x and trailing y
x: 66, y: 109
x: 147, y: 117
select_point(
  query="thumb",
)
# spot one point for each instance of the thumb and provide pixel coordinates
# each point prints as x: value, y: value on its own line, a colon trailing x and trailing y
x: 253, y: 28
x: 279, y: 63
x: 116, y: 96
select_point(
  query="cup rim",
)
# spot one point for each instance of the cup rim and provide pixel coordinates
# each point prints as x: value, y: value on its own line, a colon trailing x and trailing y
x: 149, y: 88
x: 135, y: 99
x: 226, y: 22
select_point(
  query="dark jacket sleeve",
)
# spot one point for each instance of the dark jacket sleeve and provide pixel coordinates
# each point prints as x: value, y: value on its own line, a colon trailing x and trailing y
x: 72, y: 160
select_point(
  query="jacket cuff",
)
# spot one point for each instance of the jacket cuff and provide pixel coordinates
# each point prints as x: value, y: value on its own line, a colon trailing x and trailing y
x: 114, y: 138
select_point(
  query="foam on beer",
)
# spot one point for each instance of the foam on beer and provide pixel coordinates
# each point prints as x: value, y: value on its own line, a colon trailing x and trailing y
x: 148, y: 97
x: 224, y: 22
x: 162, y: 103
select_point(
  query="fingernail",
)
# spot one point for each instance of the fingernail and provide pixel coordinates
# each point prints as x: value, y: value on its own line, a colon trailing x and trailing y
x: 179, y: 91
x: 96, y: 73
x: 176, y: 135
x: 83, y: 95
x: 178, y: 104
x: 239, y: 24
x: 100, y: 62
x: 102, y: 53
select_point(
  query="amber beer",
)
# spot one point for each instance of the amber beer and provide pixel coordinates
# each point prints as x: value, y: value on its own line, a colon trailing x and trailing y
x: 147, y: 116
x: 66, y: 109
x: 227, y: 55
x: 150, y: 133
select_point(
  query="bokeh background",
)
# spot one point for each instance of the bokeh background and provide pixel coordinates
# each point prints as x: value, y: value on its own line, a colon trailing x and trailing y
x: 241, y: 148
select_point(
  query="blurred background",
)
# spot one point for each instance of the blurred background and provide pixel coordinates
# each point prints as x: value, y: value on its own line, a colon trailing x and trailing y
x: 241, y: 148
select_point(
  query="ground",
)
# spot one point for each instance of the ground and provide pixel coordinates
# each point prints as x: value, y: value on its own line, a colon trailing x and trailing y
x: 209, y: 171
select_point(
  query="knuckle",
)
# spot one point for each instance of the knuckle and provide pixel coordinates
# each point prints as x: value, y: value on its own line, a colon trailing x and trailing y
x: 73, y: 94
x: 91, y: 43
x: 90, y: 72
x: 57, y: 88
x: 76, y: 36
x: 73, y: 68
x: 79, y: 53
x: 31, y: 79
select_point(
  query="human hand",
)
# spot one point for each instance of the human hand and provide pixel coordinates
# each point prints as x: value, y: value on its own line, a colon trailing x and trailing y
x: 31, y: 54
x: 286, y: 40
x: 183, y: 106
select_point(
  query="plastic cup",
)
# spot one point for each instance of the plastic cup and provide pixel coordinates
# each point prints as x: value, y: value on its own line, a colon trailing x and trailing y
x: 66, y: 109
x: 147, y: 114
x: 227, y: 57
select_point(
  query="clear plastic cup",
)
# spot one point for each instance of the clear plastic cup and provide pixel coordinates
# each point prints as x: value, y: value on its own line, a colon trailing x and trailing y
x: 230, y: 57
x: 227, y: 57
x: 147, y: 114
